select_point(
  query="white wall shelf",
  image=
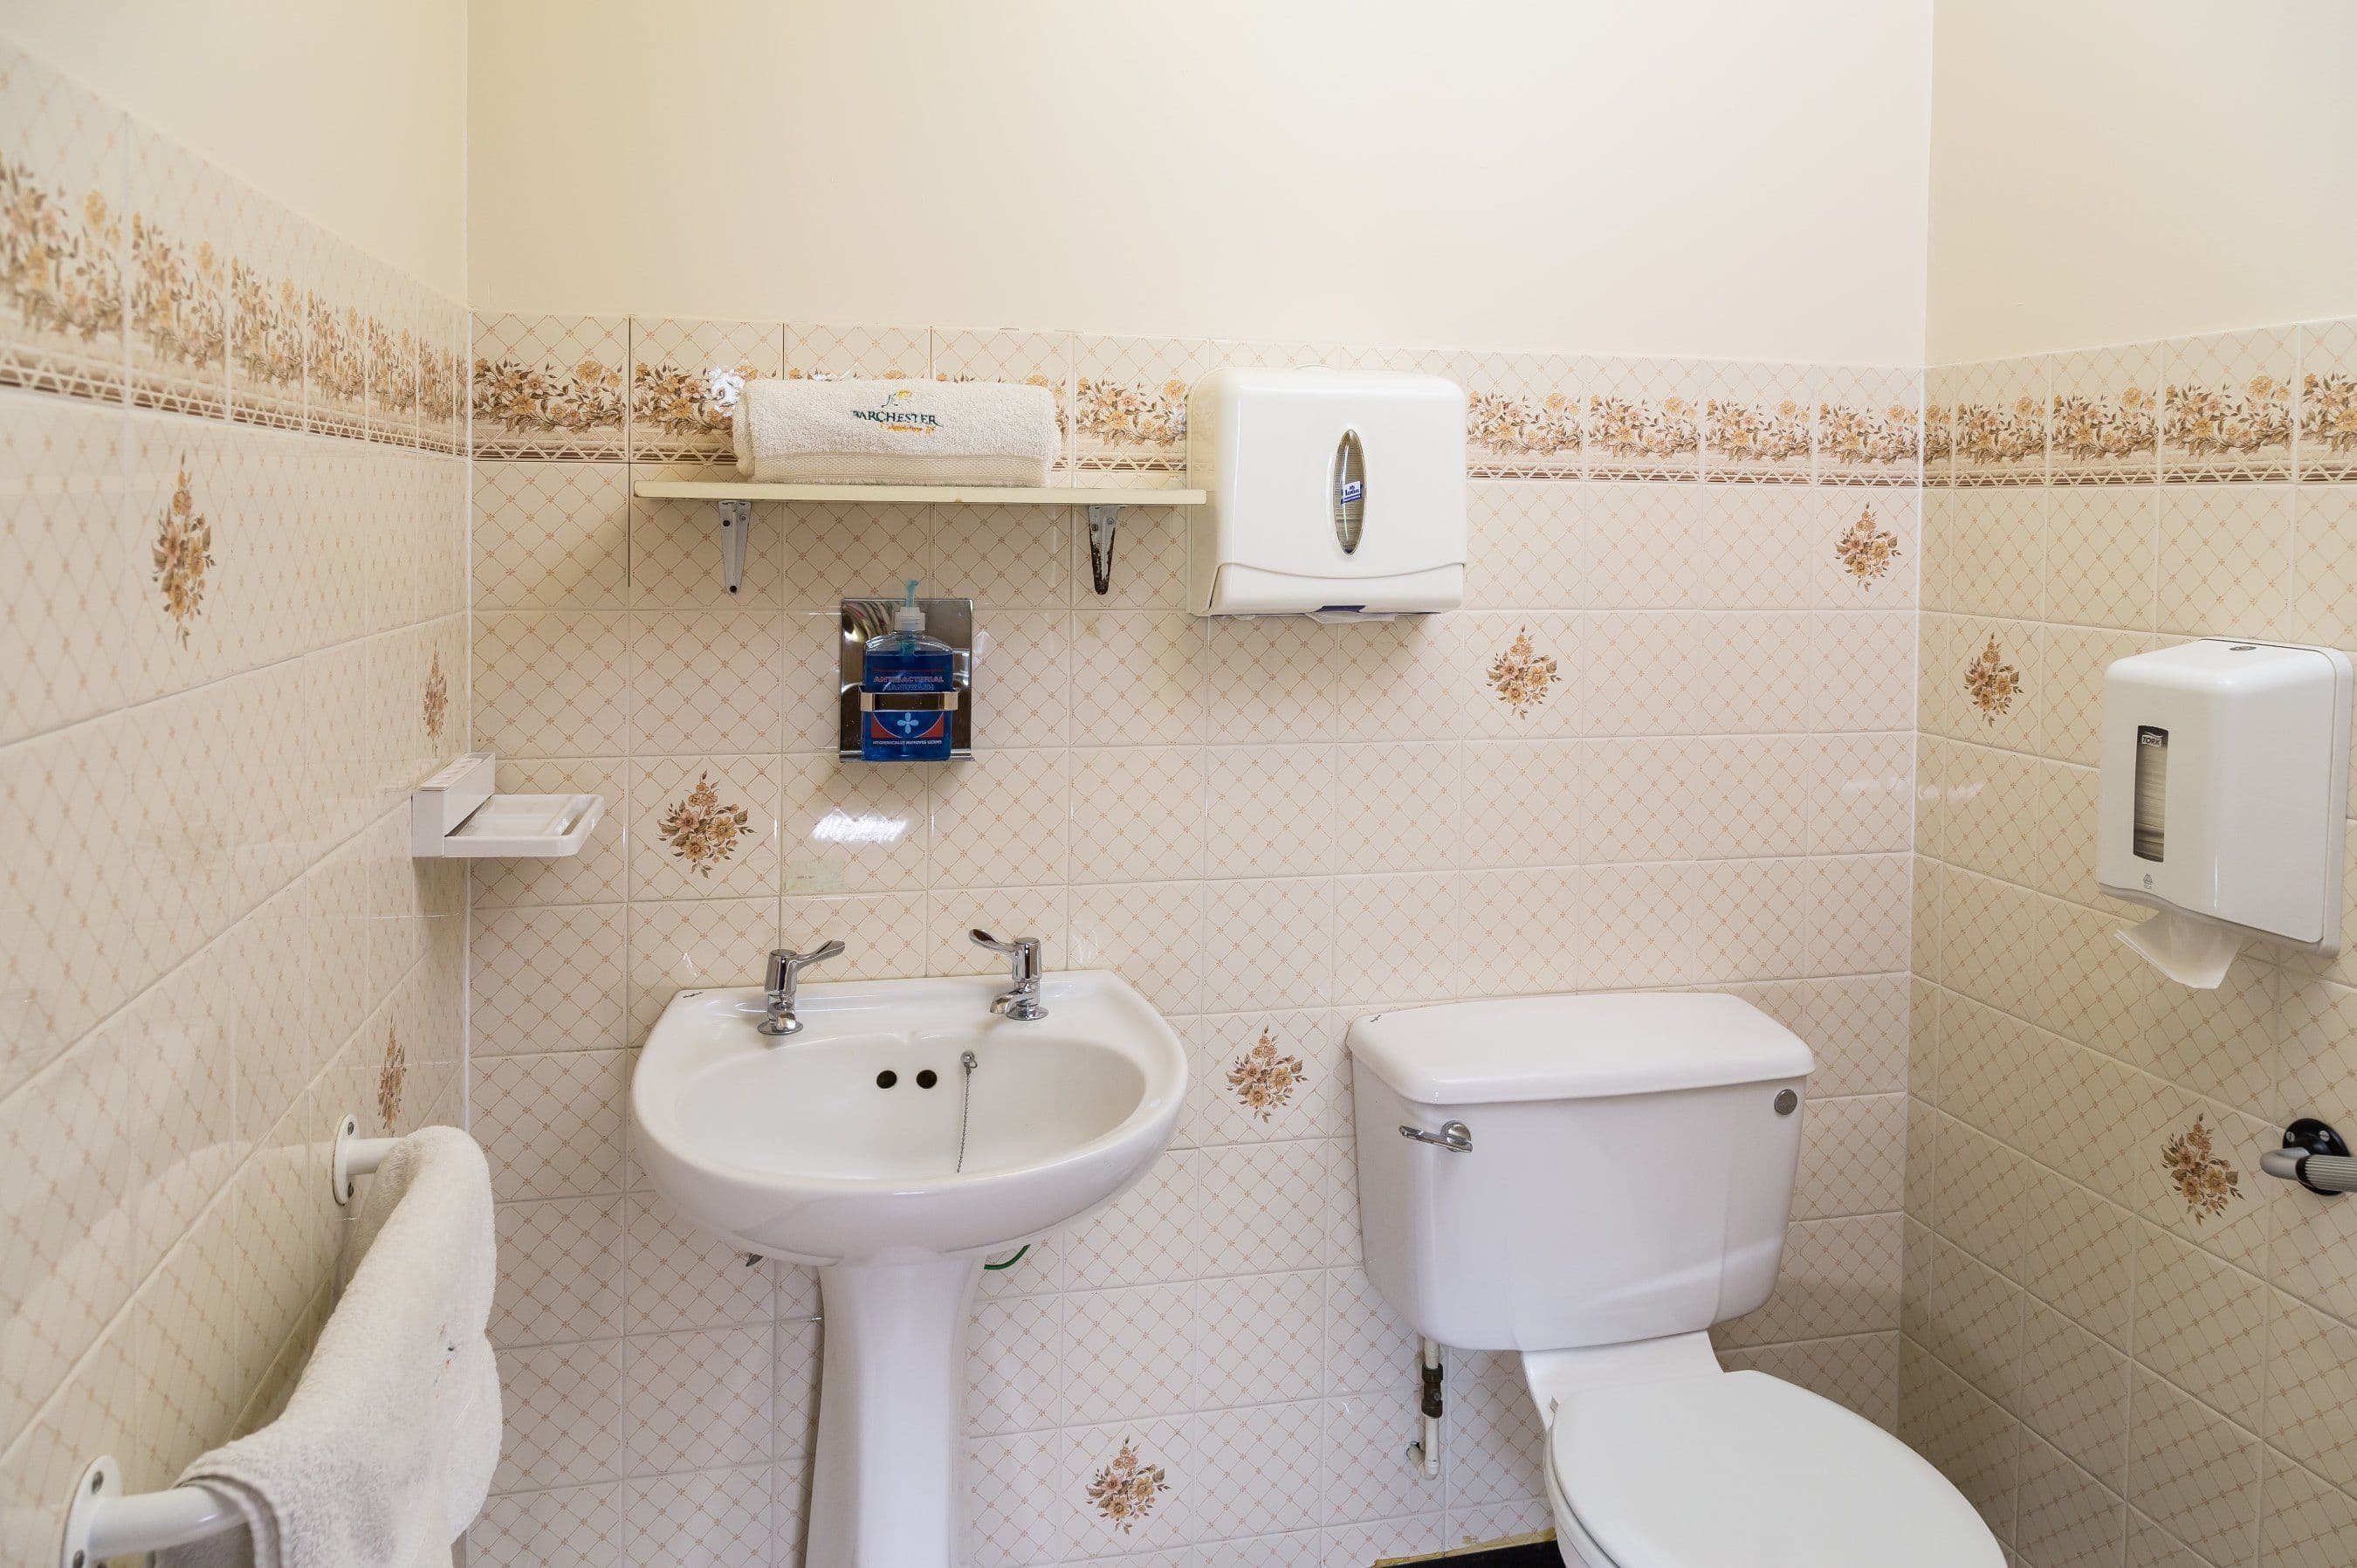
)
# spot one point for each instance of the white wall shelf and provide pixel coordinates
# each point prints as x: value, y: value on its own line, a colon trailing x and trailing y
x: 455, y: 815
x: 734, y: 501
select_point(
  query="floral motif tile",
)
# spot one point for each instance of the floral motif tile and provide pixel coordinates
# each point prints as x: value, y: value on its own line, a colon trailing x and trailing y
x: 1999, y: 422
x: 685, y: 377
x: 2328, y: 400
x: 2104, y: 427
x: 271, y: 254
x: 1870, y: 426
x: 550, y: 386
x: 336, y: 340
x: 175, y: 279
x: 1644, y: 418
x: 2227, y: 406
x: 1942, y: 385
x: 1129, y: 401
x: 395, y: 310
x: 63, y: 165
x: 1523, y: 414
x: 1759, y: 422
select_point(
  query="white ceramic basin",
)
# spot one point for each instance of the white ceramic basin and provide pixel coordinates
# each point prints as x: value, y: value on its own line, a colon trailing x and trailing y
x: 792, y: 1147
x: 830, y: 1146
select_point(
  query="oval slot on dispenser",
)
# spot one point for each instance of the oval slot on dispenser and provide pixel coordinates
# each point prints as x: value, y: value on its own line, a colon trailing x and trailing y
x: 1350, y: 492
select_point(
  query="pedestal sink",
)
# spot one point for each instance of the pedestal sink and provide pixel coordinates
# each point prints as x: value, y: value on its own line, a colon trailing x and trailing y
x: 904, y: 1135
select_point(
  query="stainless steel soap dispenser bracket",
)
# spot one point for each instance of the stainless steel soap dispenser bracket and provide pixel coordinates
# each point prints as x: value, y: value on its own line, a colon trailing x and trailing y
x: 950, y: 620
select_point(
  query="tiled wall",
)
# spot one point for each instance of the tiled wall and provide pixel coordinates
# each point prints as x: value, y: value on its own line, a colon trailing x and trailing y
x: 1667, y: 742
x: 2122, y: 1340
x: 233, y: 631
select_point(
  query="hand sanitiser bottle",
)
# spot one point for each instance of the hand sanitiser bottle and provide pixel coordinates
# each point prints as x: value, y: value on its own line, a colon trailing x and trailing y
x: 906, y: 663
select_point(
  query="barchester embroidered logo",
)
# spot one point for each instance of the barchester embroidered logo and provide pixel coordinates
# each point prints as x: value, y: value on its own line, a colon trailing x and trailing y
x: 899, y: 420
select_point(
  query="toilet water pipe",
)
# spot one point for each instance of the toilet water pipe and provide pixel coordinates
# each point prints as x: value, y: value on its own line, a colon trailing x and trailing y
x: 1428, y: 1369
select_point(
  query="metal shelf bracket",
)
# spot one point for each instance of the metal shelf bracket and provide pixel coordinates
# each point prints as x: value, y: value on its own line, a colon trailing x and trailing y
x: 1103, y: 522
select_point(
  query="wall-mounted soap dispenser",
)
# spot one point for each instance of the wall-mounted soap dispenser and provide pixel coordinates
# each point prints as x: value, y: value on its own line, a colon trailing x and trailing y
x: 906, y: 672
x: 1333, y: 493
x: 2223, y: 800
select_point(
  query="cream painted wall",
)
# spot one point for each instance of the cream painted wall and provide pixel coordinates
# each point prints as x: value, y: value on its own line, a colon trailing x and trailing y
x: 1727, y: 178
x: 2110, y: 170
x: 352, y: 112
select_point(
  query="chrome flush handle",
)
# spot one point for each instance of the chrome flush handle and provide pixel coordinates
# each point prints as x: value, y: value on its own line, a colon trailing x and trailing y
x: 1454, y: 1136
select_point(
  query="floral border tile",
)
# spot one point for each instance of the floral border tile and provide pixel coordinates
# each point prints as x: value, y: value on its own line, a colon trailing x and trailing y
x: 2000, y: 423
x: 62, y: 234
x: 1870, y: 426
x: 269, y: 270
x: 1032, y: 359
x: 1942, y: 386
x: 2227, y: 406
x: 1644, y: 418
x: 1760, y: 423
x: 1522, y: 414
x: 2105, y: 424
x: 179, y: 209
x: 1129, y: 400
x: 396, y: 307
x: 442, y: 375
x: 822, y: 353
x: 2328, y: 400
x: 550, y: 386
x: 685, y: 376
x: 334, y: 344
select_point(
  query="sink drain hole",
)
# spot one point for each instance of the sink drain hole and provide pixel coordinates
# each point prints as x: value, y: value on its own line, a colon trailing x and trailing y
x: 927, y: 1078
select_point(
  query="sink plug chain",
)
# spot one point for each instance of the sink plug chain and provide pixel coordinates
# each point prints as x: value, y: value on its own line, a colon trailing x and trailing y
x: 965, y: 1104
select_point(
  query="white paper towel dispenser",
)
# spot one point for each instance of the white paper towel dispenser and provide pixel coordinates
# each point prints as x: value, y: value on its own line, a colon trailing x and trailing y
x: 2223, y: 798
x: 1337, y: 493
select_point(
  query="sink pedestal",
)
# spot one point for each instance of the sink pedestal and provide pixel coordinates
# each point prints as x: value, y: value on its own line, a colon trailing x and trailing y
x: 884, y: 1489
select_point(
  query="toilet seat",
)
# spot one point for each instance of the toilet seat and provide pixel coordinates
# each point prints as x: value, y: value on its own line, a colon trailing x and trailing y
x: 1743, y: 1470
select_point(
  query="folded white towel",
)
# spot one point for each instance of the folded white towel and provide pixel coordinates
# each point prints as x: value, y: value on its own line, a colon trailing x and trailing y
x: 921, y: 433
x: 385, y: 1450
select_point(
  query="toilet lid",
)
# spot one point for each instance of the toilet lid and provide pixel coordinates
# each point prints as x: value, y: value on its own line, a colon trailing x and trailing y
x: 1747, y: 1471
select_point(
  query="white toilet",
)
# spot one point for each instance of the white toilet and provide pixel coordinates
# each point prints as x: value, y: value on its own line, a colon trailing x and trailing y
x: 1623, y: 1181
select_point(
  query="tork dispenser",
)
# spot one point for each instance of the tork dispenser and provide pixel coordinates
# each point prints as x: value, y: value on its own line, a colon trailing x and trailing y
x: 1338, y: 494
x: 2223, y: 800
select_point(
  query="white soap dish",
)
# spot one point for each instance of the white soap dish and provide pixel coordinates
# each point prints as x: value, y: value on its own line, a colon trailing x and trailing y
x: 455, y: 815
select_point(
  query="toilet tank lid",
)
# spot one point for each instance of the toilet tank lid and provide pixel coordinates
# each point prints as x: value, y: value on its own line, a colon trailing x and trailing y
x: 1574, y: 1048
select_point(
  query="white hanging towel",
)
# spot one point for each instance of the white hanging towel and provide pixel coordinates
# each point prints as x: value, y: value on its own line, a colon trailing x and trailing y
x: 385, y: 1450
x: 881, y: 432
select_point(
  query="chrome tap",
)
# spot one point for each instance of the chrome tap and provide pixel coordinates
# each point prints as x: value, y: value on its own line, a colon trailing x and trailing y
x: 1021, y: 1001
x: 785, y: 972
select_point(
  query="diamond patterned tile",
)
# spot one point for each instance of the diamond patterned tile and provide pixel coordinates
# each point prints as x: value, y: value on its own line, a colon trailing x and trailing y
x: 573, y: 1524
x: 552, y: 536
x: 715, y: 1516
x: 696, y: 1400
x: 560, y: 1272
x: 2196, y: 1473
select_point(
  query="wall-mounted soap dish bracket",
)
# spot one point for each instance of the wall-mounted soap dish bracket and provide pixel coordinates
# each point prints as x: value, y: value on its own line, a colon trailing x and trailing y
x: 733, y: 505
x: 457, y: 815
x: 951, y: 621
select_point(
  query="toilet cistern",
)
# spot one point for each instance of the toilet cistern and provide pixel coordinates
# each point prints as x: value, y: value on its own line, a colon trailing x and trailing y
x: 1533, y: 1236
